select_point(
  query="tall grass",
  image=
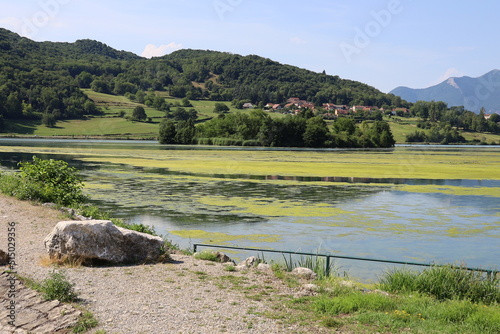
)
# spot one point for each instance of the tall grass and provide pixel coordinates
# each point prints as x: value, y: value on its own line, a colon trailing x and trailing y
x: 314, y: 262
x: 444, y: 282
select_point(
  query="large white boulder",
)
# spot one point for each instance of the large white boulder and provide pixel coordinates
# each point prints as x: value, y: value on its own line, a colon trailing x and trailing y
x: 103, y: 241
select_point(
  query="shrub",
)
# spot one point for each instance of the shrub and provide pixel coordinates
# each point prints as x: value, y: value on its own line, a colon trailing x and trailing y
x: 91, y: 211
x: 46, y: 181
x: 135, y: 227
x: 56, y: 287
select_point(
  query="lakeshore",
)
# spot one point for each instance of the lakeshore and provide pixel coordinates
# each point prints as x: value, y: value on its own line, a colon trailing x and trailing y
x: 185, y: 296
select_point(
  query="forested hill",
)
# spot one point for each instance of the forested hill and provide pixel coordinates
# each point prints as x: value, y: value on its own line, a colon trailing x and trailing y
x: 262, y: 80
x: 44, y: 78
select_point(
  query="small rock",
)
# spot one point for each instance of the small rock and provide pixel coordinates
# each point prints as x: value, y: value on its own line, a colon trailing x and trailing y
x: 264, y: 267
x: 380, y: 292
x: 311, y: 287
x: 252, y: 261
x: 347, y: 284
x: 304, y: 273
x: 4, y: 258
x: 223, y: 258
x: 241, y: 267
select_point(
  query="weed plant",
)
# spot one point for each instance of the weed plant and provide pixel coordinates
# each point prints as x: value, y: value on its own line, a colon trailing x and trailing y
x: 207, y: 256
x: 444, y: 282
x: 86, y: 322
x: 57, y: 287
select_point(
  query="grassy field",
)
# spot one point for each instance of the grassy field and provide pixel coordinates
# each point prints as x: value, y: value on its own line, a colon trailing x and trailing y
x: 111, y: 125
x: 401, y: 127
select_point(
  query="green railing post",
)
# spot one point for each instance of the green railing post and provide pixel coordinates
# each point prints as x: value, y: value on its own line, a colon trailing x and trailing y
x: 489, y: 272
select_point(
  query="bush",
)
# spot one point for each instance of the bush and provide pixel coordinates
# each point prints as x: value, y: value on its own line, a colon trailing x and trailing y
x: 91, y: 211
x: 56, y: 287
x: 49, y: 181
x: 135, y: 227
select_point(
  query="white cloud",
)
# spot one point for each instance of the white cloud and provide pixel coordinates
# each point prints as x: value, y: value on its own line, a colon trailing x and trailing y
x: 152, y: 50
x: 449, y: 73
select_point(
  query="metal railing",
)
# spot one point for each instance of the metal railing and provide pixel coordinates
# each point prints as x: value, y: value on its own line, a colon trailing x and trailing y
x: 489, y: 272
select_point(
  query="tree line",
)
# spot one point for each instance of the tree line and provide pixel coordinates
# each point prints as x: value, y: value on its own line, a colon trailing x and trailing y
x: 441, y: 124
x: 257, y: 128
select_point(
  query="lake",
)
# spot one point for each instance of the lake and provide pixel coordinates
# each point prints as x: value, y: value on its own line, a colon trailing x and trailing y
x: 432, y: 204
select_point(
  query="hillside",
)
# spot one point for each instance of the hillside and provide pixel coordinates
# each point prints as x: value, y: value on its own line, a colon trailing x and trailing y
x: 472, y: 93
x: 45, y: 79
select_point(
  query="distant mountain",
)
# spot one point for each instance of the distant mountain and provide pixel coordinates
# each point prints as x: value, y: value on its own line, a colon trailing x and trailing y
x: 472, y: 93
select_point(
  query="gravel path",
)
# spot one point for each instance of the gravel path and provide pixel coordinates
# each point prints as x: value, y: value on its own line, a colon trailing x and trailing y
x: 187, y: 296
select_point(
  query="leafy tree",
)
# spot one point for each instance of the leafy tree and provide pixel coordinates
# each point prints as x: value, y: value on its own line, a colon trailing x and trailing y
x: 220, y: 108
x: 100, y: 86
x: 14, y: 106
x: 416, y: 137
x: 495, y: 118
x: 316, y: 132
x: 84, y: 79
x: 181, y: 114
x: 49, y: 120
x: 343, y: 124
x: 167, y: 132
x: 185, y: 132
x: 186, y: 103
x: 140, y: 96
x: 139, y: 113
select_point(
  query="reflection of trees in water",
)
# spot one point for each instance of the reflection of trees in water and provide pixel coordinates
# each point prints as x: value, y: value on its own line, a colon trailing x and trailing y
x: 10, y: 160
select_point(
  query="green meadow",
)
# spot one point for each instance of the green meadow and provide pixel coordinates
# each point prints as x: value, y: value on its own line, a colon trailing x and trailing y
x: 110, y: 124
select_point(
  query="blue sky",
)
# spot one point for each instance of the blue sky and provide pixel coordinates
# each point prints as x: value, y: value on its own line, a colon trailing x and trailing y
x: 384, y: 43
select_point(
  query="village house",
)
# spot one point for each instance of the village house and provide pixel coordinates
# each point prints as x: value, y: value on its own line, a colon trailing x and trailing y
x: 248, y: 105
x: 332, y: 107
x: 356, y: 109
x: 339, y: 112
x: 293, y: 100
x: 400, y: 110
